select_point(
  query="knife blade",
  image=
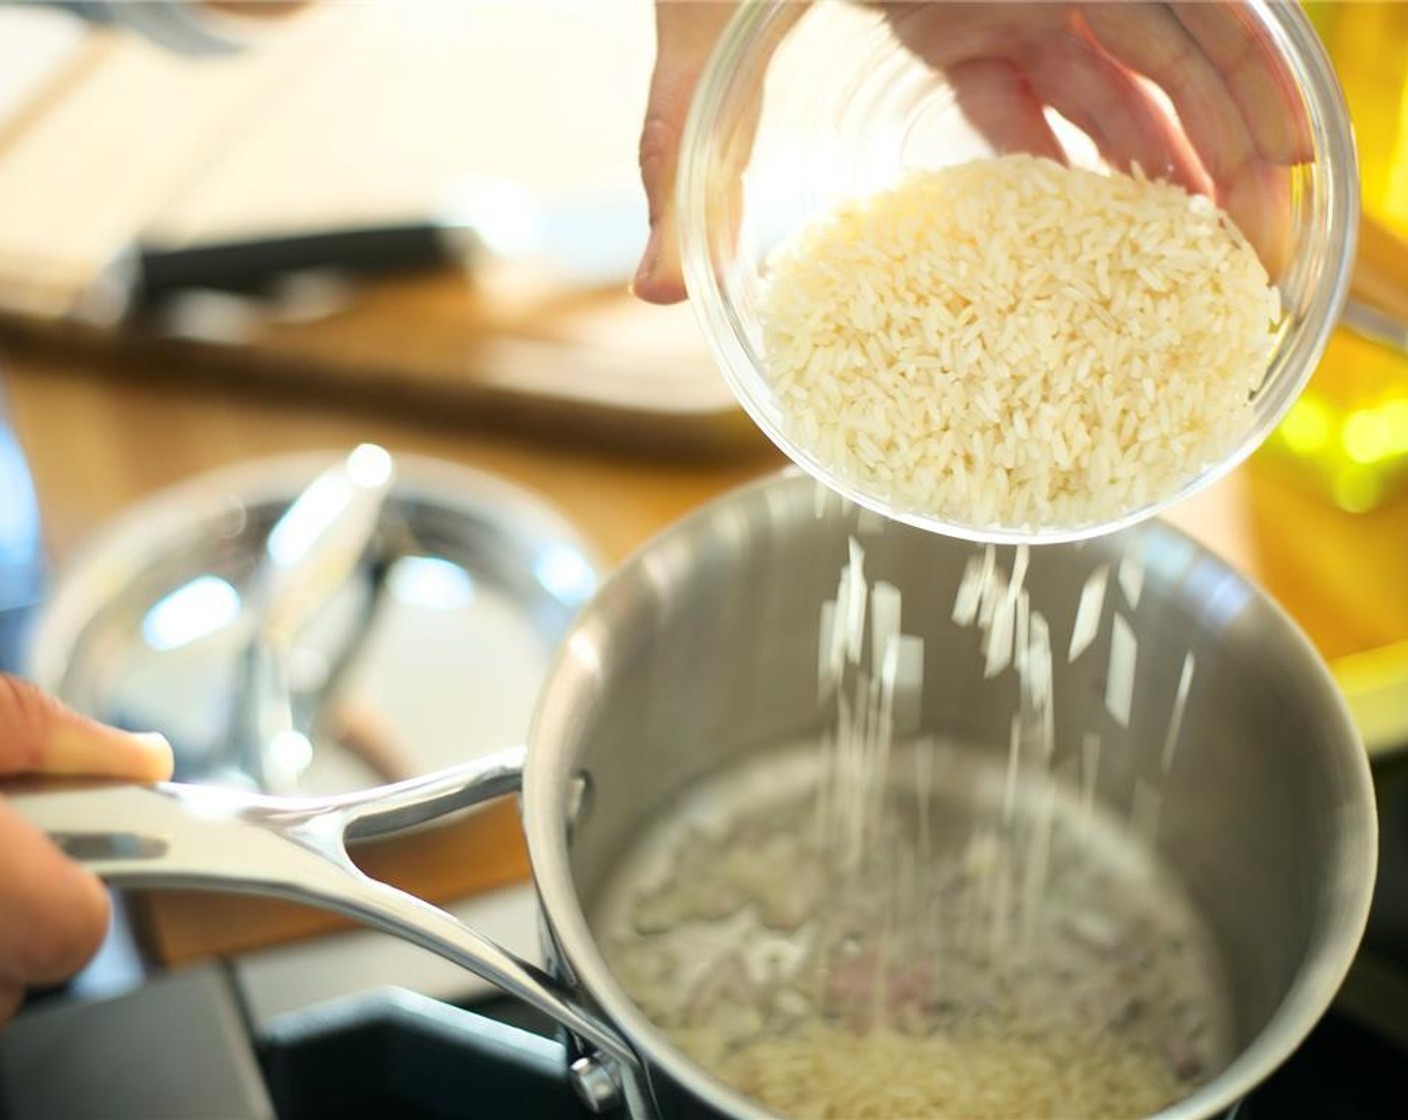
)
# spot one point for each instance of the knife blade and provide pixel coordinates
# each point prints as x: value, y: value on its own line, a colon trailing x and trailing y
x: 580, y: 245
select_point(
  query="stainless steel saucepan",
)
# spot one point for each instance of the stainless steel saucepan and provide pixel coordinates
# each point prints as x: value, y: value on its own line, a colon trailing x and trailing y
x: 701, y: 651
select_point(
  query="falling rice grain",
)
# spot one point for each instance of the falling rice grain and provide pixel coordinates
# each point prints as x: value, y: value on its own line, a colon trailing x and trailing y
x: 1175, y: 721
x: 1131, y: 572
x: 1092, y: 602
x: 1119, y: 679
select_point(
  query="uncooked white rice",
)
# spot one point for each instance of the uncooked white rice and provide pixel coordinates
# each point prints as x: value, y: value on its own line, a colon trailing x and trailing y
x: 1016, y: 343
x: 1175, y: 721
x: 1131, y: 573
x: 727, y: 953
x: 1119, y: 678
x: 1092, y: 601
x: 833, y: 1074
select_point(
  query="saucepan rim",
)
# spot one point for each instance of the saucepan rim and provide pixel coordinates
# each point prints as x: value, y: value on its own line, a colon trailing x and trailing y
x: 1350, y: 869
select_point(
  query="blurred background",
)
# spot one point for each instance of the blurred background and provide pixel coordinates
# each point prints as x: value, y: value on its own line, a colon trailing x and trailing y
x: 397, y: 120
x: 414, y: 224
x: 405, y: 224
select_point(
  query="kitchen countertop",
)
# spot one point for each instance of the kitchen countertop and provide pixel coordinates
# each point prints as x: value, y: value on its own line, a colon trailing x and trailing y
x: 98, y: 438
x: 100, y: 435
x: 97, y: 443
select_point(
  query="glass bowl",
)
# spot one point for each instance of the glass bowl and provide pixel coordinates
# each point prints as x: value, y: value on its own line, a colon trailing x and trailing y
x: 802, y: 106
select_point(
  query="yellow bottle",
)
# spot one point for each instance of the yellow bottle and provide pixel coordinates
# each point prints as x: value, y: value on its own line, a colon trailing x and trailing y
x: 1348, y: 433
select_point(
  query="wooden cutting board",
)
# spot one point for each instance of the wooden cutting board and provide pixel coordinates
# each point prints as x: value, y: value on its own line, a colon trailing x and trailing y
x: 483, y: 851
x: 354, y: 114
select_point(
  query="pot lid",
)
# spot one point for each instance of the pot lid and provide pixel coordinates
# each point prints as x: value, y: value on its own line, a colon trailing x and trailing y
x: 431, y: 653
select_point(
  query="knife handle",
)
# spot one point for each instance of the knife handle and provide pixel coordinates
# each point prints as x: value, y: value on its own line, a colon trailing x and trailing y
x: 251, y: 266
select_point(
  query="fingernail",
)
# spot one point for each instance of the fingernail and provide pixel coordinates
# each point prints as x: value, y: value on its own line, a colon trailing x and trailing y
x: 153, y: 742
x: 649, y: 259
x: 80, y: 746
x: 158, y: 749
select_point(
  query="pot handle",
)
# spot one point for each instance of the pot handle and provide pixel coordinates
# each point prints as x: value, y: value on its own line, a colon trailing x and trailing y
x: 212, y: 838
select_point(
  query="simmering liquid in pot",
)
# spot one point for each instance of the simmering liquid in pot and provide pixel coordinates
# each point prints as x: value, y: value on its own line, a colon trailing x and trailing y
x: 996, y: 950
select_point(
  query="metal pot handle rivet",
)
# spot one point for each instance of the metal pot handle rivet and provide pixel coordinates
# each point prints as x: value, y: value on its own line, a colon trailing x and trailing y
x: 595, y: 1084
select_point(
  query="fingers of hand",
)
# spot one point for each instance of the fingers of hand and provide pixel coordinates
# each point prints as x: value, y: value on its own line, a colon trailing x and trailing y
x: 1260, y: 85
x: 1077, y: 65
x: 11, y: 996
x: 659, y: 278
x: 685, y: 35
x: 40, y: 735
x: 53, y: 913
x: 998, y: 101
x: 1229, y: 114
x: 1259, y: 202
x: 1149, y: 39
x: 1091, y: 90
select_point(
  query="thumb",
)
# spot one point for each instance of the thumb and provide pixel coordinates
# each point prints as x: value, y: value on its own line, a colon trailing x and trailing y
x: 38, y: 735
x: 685, y: 34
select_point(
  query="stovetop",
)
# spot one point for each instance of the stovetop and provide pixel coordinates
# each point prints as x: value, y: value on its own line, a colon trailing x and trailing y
x: 181, y: 1046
